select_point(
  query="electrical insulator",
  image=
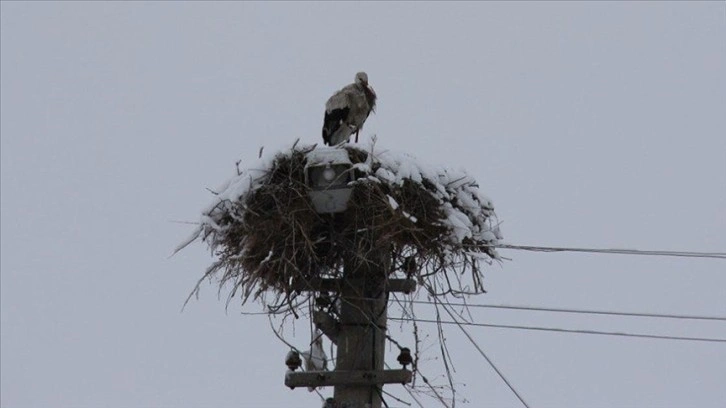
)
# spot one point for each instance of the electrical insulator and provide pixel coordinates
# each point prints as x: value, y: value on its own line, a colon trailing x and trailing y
x: 405, y: 357
x: 292, y: 360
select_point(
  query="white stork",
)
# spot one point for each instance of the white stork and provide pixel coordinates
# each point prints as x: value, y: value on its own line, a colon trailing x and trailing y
x: 347, y: 110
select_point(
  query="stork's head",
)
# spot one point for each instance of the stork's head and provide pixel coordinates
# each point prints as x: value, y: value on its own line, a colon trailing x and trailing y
x: 361, y: 78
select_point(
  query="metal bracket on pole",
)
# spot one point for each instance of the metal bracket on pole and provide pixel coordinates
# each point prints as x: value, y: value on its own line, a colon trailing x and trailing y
x: 327, y: 324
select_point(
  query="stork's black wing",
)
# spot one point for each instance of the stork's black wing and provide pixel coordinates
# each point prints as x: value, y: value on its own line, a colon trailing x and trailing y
x: 332, y: 122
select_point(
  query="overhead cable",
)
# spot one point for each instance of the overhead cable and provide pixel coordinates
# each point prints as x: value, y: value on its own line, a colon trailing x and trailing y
x: 565, y: 310
x: 686, y: 254
x: 553, y: 329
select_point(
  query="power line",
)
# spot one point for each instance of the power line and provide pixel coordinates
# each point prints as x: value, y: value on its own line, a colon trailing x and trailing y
x: 564, y: 310
x: 504, y: 326
x: 471, y: 339
x: 685, y: 254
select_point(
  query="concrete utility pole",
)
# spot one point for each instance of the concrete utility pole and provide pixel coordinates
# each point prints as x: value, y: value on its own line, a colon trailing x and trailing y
x: 360, y: 334
x: 361, y: 342
x: 360, y: 331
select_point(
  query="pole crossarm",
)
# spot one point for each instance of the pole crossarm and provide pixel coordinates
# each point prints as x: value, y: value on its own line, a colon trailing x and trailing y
x: 336, y: 285
x: 328, y: 378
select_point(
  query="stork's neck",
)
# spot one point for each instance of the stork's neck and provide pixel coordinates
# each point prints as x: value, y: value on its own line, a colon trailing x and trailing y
x: 370, y: 96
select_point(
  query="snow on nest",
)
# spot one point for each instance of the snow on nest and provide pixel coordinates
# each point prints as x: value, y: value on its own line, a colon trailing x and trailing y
x: 469, y: 214
x: 466, y: 219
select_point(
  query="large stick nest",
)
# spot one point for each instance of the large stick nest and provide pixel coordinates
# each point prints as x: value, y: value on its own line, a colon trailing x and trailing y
x: 268, y: 238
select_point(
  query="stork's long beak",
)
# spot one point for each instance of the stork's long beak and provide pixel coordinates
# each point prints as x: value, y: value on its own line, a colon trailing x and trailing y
x: 370, y: 88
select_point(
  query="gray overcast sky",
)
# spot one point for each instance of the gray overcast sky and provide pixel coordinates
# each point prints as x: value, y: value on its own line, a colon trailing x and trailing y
x: 588, y: 124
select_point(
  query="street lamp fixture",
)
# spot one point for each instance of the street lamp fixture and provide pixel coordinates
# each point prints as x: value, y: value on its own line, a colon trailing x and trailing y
x: 328, y: 173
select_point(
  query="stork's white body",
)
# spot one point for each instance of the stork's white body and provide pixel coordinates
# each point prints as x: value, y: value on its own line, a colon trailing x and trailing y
x: 347, y: 110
